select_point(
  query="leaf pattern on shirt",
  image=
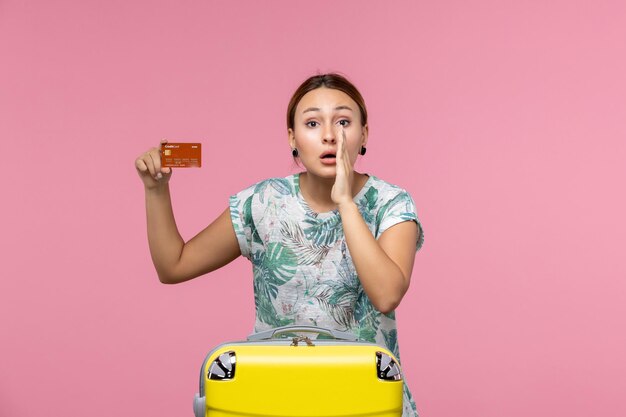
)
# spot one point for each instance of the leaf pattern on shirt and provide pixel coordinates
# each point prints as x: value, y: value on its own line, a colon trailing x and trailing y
x: 367, y: 204
x: 396, y: 207
x: 367, y: 317
x: 281, y: 185
x: 323, y: 231
x: 338, y: 302
x: 280, y: 262
x: 338, y: 296
x: 265, y: 310
x: 247, y: 218
x: 306, y: 251
x: 272, y: 269
x: 391, y: 339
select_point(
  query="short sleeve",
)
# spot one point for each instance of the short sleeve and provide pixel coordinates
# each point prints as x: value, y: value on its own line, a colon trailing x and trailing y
x: 400, y: 208
x: 241, y: 215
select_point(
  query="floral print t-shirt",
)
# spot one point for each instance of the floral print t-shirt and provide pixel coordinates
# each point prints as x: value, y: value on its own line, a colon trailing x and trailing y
x: 303, y: 272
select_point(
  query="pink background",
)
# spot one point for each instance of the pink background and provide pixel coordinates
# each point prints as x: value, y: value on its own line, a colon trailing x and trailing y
x: 503, y: 119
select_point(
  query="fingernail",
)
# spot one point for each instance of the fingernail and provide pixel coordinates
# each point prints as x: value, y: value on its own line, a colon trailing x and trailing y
x: 159, y: 176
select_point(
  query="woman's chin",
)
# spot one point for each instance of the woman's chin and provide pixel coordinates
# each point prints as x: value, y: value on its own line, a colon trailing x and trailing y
x: 327, y: 172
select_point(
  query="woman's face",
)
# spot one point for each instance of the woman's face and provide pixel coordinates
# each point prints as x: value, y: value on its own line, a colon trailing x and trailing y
x: 320, y: 116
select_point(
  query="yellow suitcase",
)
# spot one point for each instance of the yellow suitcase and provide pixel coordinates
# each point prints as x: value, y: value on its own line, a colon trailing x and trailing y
x: 283, y: 372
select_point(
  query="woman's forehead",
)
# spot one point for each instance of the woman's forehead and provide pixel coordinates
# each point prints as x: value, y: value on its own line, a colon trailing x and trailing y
x: 324, y: 99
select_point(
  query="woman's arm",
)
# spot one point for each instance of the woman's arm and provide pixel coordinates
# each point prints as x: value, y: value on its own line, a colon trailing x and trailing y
x: 176, y: 261
x: 384, y: 266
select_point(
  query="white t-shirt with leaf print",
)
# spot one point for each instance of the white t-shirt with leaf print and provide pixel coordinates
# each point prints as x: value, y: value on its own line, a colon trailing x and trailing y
x: 303, y: 272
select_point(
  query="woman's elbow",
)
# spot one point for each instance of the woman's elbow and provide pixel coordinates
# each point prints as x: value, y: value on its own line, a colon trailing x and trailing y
x: 388, y: 305
x: 171, y: 277
x: 165, y: 279
x: 390, y: 302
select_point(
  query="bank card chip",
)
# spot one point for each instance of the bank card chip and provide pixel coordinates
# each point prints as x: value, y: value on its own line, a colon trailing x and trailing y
x: 181, y: 155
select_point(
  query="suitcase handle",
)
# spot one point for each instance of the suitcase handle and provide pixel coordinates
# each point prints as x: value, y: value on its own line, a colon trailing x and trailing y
x: 269, y: 334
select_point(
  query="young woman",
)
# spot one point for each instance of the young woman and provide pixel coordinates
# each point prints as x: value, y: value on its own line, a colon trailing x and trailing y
x: 330, y: 246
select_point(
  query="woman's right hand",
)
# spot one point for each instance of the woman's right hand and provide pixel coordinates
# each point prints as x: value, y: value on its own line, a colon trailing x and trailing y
x: 149, y: 168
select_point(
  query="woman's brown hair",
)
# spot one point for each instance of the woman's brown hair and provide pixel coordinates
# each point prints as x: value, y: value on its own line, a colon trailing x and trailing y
x: 330, y: 80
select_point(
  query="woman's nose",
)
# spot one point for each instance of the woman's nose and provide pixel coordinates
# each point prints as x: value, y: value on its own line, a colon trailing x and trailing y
x: 329, y: 135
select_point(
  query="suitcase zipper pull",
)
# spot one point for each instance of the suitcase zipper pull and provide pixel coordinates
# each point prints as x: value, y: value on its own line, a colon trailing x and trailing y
x: 295, y: 340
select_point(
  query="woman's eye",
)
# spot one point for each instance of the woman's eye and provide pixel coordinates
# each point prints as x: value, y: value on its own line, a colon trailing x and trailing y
x: 344, y: 122
x: 310, y: 123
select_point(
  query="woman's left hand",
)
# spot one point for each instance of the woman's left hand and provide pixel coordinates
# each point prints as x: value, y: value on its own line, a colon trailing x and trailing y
x: 342, y: 189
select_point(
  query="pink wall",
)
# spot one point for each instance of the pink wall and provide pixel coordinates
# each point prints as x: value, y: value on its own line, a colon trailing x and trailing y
x: 505, y: 121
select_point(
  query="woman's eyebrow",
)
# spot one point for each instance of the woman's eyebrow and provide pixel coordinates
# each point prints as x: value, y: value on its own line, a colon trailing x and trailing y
x: 336, y: 108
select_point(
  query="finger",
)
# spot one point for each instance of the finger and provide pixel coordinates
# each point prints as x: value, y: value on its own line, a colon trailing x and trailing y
x: 347, y: 161
x: 156, y: 157
x: 339, y: 155
x: 165, y: 170
x: 141, y: 165
x: 156, y: 161
x: 149, y: 163
x: 340, y: 144
x: 163, y: 142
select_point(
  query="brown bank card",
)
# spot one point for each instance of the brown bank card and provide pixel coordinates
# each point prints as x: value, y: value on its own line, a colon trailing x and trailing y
x: 181, y: 155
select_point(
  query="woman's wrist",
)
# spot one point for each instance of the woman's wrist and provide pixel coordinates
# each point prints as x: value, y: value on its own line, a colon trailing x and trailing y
x: 346, y: 205
x: 157, y: 189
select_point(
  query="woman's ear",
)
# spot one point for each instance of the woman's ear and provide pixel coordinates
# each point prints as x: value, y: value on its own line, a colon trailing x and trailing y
x: 292, y: 138
x: 364, y: 135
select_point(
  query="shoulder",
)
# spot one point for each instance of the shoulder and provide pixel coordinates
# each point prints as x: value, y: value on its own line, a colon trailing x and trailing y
x: 386, y: 192
x: 267, y: 188
x: 394, y: 205
x: 389, y: 202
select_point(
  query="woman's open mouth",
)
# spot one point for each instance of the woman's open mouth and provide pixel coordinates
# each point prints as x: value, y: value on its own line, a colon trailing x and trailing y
x: 328, y: 158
